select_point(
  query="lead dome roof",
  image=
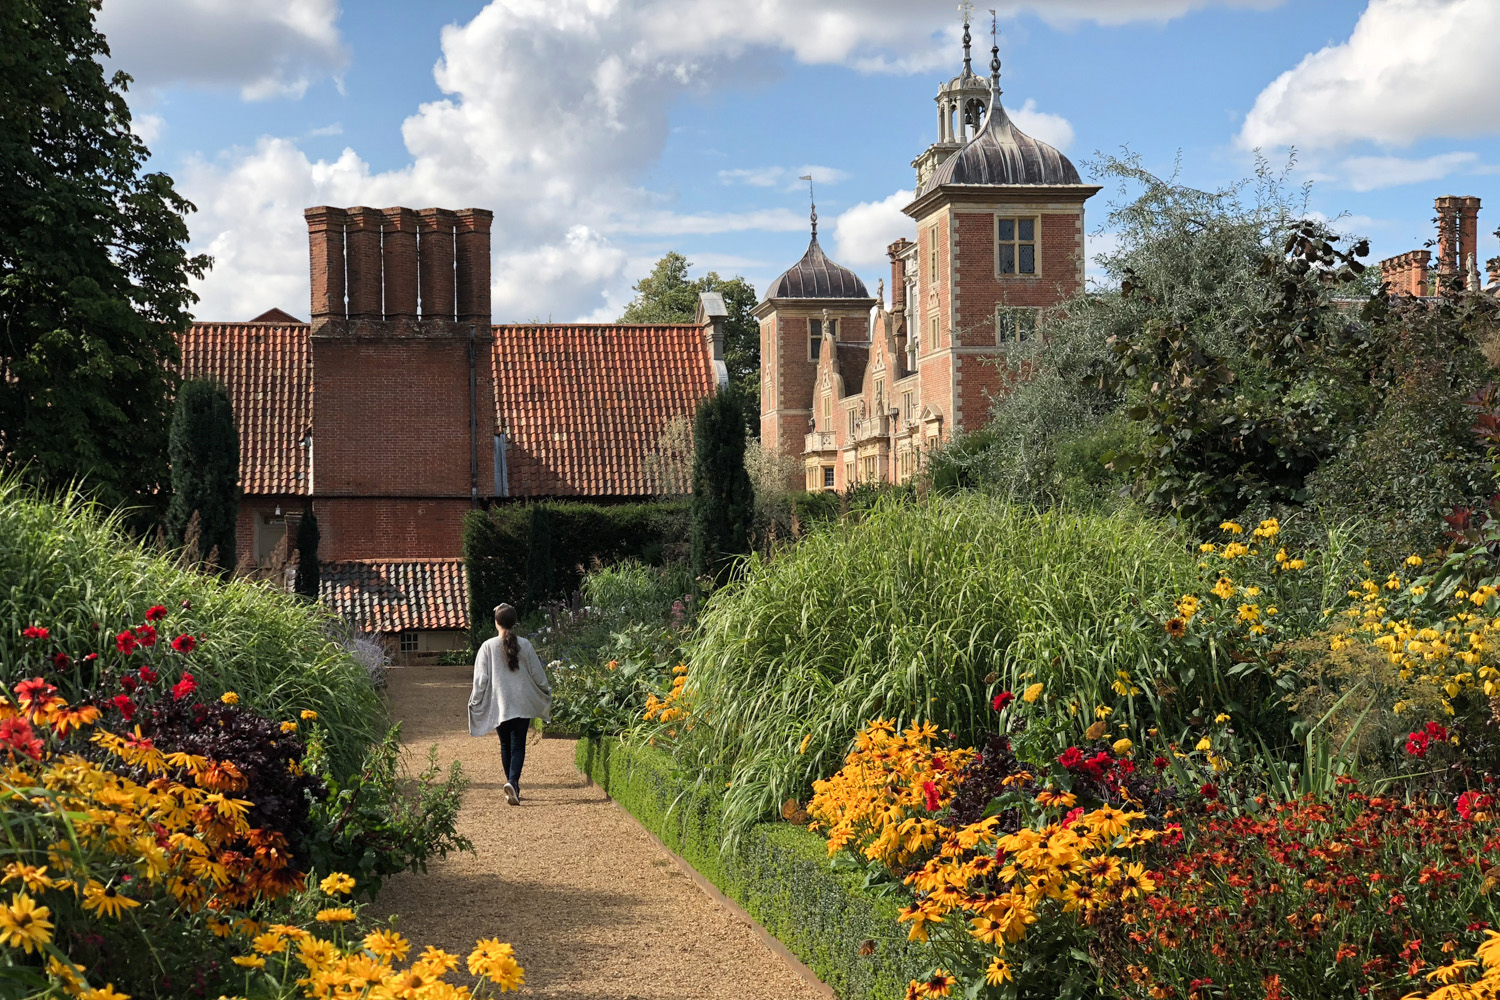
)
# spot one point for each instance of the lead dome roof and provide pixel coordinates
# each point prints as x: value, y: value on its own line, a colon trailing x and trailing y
x: 817, y: 277
x: 1002, y: 154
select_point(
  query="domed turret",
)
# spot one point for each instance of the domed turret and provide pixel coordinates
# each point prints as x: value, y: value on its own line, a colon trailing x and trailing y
x: 817, y: 277
x: 1003, y: 154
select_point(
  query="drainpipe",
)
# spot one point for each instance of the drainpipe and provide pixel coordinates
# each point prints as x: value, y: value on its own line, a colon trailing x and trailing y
x: 473, y: 425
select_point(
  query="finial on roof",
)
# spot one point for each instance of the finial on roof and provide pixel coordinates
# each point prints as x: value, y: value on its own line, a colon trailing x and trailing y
x: 994, y: 54
x: 966, y: 8
x: 813, y: 200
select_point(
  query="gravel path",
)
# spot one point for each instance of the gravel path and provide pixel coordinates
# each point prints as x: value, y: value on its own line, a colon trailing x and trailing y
x: 595, y: 910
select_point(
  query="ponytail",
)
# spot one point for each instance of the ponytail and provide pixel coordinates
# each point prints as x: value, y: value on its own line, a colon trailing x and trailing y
x: 505, y: 624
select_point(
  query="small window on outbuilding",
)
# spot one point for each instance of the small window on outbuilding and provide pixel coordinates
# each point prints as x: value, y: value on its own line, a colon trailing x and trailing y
x: 408, y: 641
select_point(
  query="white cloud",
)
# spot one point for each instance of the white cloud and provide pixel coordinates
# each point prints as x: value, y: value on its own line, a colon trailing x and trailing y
x: 862, y: 233
x: 788, y: 178
x: 558, y: 164
x: 1370, y: 173
x: 1052, y: 129
x: 148, y: 127
x: 1411, y: 69
x: 265, y: 48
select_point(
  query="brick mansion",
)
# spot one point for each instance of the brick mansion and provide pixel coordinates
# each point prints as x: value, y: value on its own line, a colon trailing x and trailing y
x: 401, y: 406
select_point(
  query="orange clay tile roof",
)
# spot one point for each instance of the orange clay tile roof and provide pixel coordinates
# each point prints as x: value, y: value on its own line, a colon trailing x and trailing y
x: 393, y: 596
x: 267, y: 368
x: 584, y: 405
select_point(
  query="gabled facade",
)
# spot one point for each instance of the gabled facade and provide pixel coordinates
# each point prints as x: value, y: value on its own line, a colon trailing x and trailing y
x: 999, y: 236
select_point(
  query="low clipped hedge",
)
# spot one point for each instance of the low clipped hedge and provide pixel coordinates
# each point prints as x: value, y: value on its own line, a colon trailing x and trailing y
x: 779, y: 873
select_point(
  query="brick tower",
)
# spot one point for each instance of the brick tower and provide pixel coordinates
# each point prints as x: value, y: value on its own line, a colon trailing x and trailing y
x: 1000, y: 235
x: 815, y: 306
x: 403, y: 410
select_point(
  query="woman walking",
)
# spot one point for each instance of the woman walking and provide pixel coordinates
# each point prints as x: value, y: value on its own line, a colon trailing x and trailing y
x: 510, y: 689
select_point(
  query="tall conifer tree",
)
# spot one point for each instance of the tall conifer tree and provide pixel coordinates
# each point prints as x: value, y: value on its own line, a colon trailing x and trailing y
x: 723, y: 500
x: 204, y: 450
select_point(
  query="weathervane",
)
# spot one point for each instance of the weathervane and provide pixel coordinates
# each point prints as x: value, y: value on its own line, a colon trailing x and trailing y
x: 994, y: 51
x: 966, y: 8
x: 813, y: 201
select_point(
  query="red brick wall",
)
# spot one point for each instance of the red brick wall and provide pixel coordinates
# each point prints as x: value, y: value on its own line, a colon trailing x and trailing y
x: 391, y: 415
x: 981, y: 290
x: 397, y: 528
x: 787, y: 398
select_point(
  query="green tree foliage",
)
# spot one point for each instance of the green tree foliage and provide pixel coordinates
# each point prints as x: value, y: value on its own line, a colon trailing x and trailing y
x: 204, y: 450
x: 667, y: 295
x: 1238, y: 362
x: 93, y: 266
x: 723, y: 500
x: 309, y: 573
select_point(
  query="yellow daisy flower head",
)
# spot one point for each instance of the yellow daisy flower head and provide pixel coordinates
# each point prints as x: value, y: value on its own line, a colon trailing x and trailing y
x: 106, y: 992
x: 1123, y: 747
x: 336, y: 915
x: 106, y: 900
x: 249, y: 961
x: 288, y: 727
x: 25, y: 925
x: 229, y: 698
x: 337, y: 884
x: 308, y: 715
x: 1231, y: 527
x: 387, y: 944
x: 1033, y: 692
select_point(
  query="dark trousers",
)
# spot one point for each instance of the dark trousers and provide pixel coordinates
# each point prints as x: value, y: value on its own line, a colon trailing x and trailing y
x: 513, y: 748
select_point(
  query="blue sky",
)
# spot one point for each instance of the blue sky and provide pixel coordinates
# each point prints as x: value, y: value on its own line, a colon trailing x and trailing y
x: 606, y: 132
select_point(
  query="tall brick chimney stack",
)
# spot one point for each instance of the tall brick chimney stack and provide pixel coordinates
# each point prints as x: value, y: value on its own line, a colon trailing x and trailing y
x: 1468, y: 231
x: 472, y: 270
x: 325, y: 238
x: 1406, y: 273
x: 898, y: 274
x: 435, y: 262
x: 398, y: 260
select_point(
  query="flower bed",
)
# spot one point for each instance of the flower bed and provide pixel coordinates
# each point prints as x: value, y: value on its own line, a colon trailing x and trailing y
x: 844, y: 929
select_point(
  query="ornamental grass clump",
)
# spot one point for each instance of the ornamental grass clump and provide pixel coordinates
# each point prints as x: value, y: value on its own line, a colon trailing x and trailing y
x: 903, y: 615
x: 70, y: 568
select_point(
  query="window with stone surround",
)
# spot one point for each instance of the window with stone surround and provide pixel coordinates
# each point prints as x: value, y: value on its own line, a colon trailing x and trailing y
x: 852, y: 417
x: 815, y: 337
x: 932, y: 260
x: 1014, y: 325
x: 408, y: 641
x: 848, y: 474
x: 828, y: 477
x: 827, y: 408
x: 1016, y: 245
x: 906, y: 405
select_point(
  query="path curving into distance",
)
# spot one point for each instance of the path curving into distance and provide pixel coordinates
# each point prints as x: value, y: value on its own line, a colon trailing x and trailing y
x: 594, y: 908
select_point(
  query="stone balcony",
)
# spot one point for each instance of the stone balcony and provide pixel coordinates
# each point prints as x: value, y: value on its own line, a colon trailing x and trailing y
x: 818, y: 441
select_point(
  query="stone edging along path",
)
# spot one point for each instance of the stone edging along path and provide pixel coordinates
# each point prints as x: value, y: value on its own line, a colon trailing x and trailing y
x: 596, y: 908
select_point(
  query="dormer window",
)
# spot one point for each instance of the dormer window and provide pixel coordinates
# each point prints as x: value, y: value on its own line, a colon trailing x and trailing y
x: 1015, y: 245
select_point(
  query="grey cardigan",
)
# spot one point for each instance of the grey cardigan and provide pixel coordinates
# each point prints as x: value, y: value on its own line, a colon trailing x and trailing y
x: 501, y: 693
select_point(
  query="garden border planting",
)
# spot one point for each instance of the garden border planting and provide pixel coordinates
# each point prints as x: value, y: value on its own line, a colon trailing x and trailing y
x: 778, y: 873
